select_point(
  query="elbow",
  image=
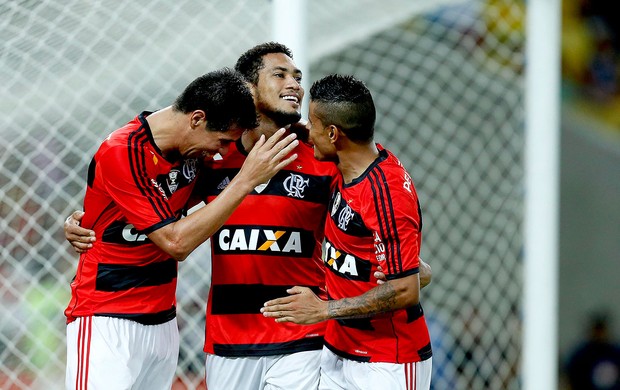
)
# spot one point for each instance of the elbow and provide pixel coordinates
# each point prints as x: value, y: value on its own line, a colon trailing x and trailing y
x: 426, y: 274
x: 172, y: 242
x: 407, y: 295
x: 176, y: 250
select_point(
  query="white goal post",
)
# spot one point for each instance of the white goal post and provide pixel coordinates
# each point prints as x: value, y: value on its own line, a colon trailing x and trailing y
x: 450, y: 80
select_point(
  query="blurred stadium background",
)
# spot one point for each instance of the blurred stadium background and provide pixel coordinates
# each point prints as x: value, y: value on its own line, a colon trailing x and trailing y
x: 447, y: 76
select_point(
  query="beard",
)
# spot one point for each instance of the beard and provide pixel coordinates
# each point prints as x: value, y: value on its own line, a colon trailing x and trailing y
x: 282, y: 118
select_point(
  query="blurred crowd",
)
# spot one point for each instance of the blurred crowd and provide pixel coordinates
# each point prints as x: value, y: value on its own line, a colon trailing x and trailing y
x: 590, y: 57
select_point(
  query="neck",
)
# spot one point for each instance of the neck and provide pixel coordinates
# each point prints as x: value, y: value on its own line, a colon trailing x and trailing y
x: 356, y: 159
x: 266, y: 126
x: 164, y: 125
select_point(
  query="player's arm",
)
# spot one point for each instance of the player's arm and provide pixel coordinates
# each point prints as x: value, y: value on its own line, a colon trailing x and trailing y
x: 426, y: 274
x: 180, y: 238
x: 304, y: 307
x: 267, y: 157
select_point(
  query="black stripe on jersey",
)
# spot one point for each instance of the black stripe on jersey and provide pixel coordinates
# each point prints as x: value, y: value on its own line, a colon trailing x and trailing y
x: 120, y: 277
x: 345, y: 218
x: 419, y: 215
x: 246, y: 298
x: 290, y: 184
x: 386, y: 218
x: 239, y: 350
x: 347, y: 355
x: 119, y: 232
x: 91, y: 172
x: 414, y: 312
x: 135, y: 149
x: 357, y: 323
x: 411, y: 271
x: 426, y: 352
x: 159, y: 204
x: 145, y: 318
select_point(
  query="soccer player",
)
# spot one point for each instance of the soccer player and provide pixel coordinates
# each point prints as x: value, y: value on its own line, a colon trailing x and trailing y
x: 269, y: 244
x: 121, y: 320
x: 376, y: 335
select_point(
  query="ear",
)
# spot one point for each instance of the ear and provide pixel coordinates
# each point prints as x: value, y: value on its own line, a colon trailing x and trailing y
x: 334, y: 133
x: 196, y: 118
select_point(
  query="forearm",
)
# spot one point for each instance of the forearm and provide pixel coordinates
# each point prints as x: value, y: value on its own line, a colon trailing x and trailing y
x: 385, y: 297
x: 180, y: 238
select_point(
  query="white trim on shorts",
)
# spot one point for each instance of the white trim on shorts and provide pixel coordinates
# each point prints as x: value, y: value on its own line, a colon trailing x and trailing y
x: 338, y: 373
x: 113, y: 353
x: 295, y: 371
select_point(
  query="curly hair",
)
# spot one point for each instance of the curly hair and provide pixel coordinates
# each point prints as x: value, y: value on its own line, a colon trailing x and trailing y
x: 251, y: 61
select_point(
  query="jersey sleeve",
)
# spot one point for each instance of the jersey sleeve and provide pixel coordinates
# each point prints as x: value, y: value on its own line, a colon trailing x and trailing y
x: 394, y: 217
x: 127, y: 181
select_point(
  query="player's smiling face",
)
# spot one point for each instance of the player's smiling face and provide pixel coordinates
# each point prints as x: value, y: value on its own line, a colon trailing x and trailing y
x: 278, y: 93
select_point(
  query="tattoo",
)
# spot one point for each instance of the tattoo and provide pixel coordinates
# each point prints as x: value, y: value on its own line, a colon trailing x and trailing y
x: 380, y: 299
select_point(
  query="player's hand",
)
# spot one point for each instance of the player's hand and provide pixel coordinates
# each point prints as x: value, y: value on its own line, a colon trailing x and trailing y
x: 380, y: 275
x: 267, y: 157
x: 301, y: 307
x: 81, y: 239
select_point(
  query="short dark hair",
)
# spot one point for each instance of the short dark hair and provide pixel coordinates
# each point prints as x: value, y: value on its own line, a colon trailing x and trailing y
x: 250, y: 62
x: 345, y: 102
x: 225, y: 98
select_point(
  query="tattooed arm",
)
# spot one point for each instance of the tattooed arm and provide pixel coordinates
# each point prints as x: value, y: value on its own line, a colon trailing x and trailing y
x: 302, y: 306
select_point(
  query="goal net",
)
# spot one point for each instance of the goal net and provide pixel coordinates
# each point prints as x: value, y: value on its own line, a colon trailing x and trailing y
x: 447, y: 77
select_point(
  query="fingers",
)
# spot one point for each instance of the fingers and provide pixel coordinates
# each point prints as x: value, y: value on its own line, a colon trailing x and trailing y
x: 77, y: 215
x: 79, y: 234
x: 81, y: 239
x: 297, y: 290
x: 279, y: 146
x: 267, y: 157
x: 80, y: 247
x: 379, y: 275
x: 300, y: 128
x: 280, y: 316
x: 276, y: 303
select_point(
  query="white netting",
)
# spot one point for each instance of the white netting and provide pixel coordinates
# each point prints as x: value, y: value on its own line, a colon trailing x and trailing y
x: 447, y: 79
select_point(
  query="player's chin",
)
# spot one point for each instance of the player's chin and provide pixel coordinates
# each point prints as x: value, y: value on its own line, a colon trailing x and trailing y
x: 291, y: 110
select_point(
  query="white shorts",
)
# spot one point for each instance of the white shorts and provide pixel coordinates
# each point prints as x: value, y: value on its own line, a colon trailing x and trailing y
x: 340, y: 373
x: 298, y: 370
x: 112, y: 354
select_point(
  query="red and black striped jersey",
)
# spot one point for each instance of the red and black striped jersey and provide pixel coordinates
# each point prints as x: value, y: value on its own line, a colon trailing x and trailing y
x: 132, y: 190
x: 269, y: 244
x: 375, y: 220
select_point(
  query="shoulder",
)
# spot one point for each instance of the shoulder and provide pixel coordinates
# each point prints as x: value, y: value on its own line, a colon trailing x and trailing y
x: 396, y: 175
